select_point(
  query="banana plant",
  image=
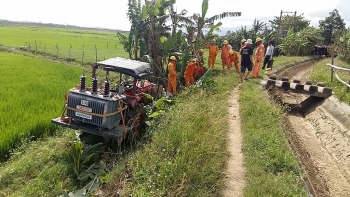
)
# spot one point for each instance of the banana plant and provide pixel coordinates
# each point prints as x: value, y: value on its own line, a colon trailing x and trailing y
x: 168, y: 45
x: 83, y: 160
x: 343, y: 45
x: 150, y: 12
x: 201, y: 21
x: 300, y: 43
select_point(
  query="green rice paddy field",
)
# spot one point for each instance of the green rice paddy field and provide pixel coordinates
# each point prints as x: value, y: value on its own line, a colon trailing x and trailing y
x: 32, y: 93
x: 77, y: 41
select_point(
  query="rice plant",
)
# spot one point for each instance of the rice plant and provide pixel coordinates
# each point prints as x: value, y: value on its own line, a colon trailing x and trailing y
x: 32, y: 94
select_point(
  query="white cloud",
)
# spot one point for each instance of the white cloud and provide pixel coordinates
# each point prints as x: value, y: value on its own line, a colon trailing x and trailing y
x: 112, y: 13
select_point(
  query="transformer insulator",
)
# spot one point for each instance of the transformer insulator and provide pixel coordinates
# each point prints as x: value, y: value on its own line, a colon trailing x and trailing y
x: 94, y: 86
x: 82, y: 83
x: 106, y: 89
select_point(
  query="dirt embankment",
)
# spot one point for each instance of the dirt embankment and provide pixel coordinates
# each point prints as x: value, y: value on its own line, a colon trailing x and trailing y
x: 321, y: 139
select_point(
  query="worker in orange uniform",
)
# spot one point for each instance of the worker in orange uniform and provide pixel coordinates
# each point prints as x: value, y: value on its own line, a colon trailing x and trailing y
x: 213, y: 52
x: 198, y: 69
x: 233, y: 59
x: 190, y: 69
x: 224, y: 55
x: 258, y: 58
x: 172, y: 76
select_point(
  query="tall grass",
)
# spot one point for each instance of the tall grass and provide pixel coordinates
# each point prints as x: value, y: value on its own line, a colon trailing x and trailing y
x: 188, y: 150
x: 39, y: 168
x: 271, y: 166
x: 46, y: 38
x: 322, y: 72
x: 32, y: 94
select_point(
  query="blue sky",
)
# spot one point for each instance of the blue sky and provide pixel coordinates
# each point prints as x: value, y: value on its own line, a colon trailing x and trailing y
x: 112, y: 13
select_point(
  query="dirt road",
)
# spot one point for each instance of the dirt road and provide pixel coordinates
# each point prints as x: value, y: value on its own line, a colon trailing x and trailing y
x: 235, y: 180
x: 321, y: 139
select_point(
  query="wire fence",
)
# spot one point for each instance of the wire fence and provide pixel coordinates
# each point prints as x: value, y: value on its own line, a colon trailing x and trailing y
x: 85, y: 54
x: 334, y: 73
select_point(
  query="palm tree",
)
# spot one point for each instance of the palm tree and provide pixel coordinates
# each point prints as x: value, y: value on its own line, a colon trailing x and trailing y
x: 258, y: 26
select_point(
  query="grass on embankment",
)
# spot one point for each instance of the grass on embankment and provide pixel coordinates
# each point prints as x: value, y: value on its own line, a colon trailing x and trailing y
x: 33, y: 91
x: 38, y: 168
x: 287, y: 61
x: 271, y: 166
x: 188, y: 151
x: 322, y: 72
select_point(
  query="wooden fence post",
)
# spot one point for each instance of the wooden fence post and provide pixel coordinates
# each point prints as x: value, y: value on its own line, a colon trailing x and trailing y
x: 332, y: 69
x: 45, y: 50
x: 36, y: 47
x: 96, y: 52
x: 70, y: 48
x: 82, y: 59
x: 57, y: 50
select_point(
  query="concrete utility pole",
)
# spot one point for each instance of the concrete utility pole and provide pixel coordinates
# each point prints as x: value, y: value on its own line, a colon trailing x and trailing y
x: 294, y: 21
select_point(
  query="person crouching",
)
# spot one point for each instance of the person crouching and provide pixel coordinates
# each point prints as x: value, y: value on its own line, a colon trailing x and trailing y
x: 190, y: 69
x: 233, y: 59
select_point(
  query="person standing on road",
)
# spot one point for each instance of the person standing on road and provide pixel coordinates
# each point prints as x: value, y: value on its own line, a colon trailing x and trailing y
x: 259, y: 55
x: 246, y: 60
x: 268, y: 55
x: 172, y: 76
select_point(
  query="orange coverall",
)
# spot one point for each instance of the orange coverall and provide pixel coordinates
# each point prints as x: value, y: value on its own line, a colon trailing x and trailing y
x: 172, y: 77
x: 198, y: 69
x: 189, y: 73
x: 213, y: 52
x: 233, y: 59
x: 224, y: 55
x: 259, y: 56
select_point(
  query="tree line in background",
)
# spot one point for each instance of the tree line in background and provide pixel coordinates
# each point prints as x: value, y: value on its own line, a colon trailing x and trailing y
x: 156, y: 33
x: 293, y: 35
